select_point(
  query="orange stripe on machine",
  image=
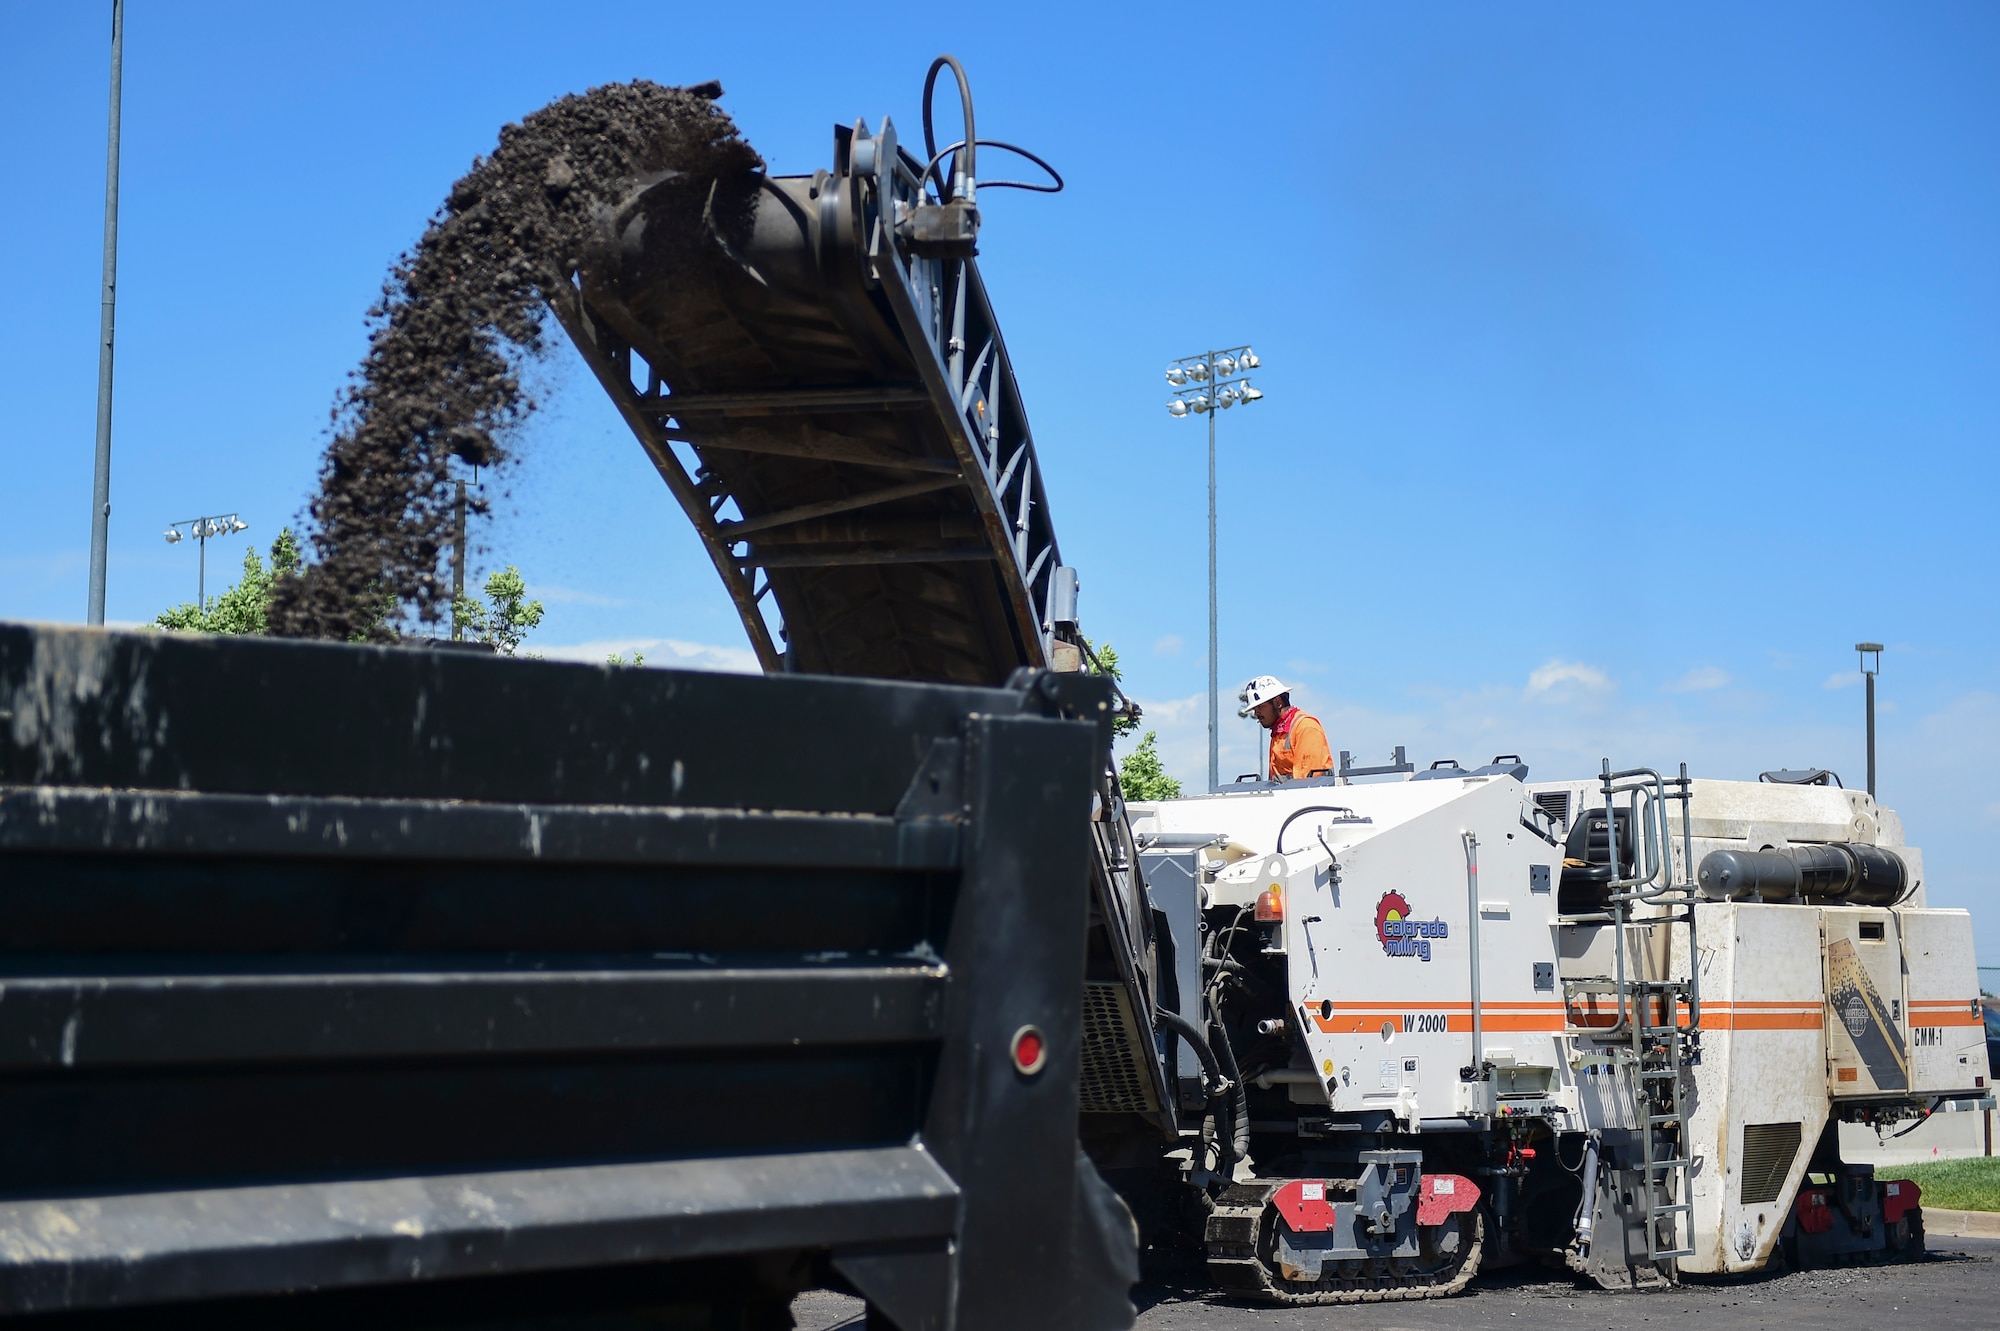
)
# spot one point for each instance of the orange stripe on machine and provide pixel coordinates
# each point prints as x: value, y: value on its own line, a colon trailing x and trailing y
x: 1434, y: 1018
x: 1724, y: 1015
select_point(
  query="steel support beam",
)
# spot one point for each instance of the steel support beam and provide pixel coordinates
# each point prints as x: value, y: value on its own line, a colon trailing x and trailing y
x: 828, y: 507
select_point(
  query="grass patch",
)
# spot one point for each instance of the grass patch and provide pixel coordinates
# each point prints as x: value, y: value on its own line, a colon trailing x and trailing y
x: 1954, y: 1185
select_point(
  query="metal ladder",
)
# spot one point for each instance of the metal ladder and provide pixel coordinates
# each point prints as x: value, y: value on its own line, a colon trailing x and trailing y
x: 1661, y: 1015
x: 1656, y: 1086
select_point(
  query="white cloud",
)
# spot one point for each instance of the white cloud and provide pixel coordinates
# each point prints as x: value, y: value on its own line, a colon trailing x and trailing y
x: 667, y: 652
x: 1842, y: 679
x: 1554, y: 675
x: 1169, y: 646
x: 1305, y: 667
x: 1699, y: 680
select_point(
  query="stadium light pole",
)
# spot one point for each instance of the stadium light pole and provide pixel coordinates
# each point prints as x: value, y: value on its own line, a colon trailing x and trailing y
x: 1204, y: 385
x: 100, y: 481
x: 1868, y: 672
x: 222, y: 524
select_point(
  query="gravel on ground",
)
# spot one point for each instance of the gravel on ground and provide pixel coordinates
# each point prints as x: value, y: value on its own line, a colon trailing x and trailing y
x: 1956, y: 1286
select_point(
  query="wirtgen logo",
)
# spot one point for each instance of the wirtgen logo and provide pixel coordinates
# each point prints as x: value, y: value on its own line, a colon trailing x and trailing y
x: 1402, y: 936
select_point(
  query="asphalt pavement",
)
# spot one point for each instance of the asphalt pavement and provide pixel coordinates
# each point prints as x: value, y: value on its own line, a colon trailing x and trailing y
x: 1956, y: 1287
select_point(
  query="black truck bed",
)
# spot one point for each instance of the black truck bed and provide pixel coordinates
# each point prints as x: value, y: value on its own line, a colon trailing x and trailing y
x: 417, y: 978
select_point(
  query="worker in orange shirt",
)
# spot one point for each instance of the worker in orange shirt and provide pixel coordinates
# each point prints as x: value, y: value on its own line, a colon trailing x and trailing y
x: 1298, y: 741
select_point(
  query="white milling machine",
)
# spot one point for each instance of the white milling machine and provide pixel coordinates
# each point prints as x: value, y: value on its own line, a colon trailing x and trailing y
x: 1451, y: 1015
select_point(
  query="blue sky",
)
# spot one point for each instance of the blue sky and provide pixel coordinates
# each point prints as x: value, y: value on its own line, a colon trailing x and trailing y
x: 1625, y: 365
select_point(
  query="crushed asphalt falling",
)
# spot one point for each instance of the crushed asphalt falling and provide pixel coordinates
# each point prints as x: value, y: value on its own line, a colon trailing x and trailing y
x: 459, y: 311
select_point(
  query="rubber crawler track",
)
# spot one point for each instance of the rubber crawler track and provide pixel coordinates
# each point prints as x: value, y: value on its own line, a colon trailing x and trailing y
x: 1238, y: 1268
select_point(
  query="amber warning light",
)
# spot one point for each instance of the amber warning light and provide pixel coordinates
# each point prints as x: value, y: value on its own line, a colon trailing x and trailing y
x: 1271, y: 904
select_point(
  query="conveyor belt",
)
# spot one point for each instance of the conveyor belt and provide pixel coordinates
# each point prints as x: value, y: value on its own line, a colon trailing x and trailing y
x: 813, y: 366
x: 837, y: 416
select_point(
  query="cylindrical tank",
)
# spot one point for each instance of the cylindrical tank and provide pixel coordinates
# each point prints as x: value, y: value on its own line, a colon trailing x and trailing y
x: 1852, y: 875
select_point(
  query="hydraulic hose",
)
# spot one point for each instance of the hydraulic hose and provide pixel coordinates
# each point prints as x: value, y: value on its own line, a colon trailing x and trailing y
x: 1286, y: 826
x: 1922, y: 1119
x: 1057, y: 187
x: 1586, y: 1211
x: 1221, y: 1075
x: 964, y: 176
x: 1239, y: 1099
x: 1215, y: 957
x: 1184, y: 1028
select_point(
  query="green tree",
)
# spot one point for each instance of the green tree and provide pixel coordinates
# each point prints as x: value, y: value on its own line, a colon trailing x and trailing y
x: 1104, y: 661
x: 1141, y: 776
x: 241, y: 608
x: 507, y: 618
x: 618, y: 658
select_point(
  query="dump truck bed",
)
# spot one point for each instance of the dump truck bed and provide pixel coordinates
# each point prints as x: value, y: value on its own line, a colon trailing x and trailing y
x: 332, y: 971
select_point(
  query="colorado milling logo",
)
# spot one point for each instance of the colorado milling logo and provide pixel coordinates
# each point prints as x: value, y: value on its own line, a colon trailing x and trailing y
x: 1402, y: 936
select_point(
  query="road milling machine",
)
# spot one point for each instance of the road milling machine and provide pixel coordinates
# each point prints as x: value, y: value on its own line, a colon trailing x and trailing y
x: 1468, y: 1019
x: 1340, y: 1042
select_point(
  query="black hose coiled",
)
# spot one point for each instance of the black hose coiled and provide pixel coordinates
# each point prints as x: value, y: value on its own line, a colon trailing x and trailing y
x: 1239, y: 1100
x: 1184, y: 1028
x: 1222, y: 1072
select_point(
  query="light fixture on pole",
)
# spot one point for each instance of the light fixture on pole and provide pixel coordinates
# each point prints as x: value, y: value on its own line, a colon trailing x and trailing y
x: 1866, y: 650
x: 1203, y: 386
x: 221, y: 524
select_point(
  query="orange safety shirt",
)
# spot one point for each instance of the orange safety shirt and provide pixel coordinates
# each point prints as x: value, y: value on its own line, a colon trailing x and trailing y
x: 1299, y: 747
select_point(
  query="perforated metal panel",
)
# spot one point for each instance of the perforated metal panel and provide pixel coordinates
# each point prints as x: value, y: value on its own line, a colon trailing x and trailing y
x: 1768, y: 1152
x: 1113, y: 1080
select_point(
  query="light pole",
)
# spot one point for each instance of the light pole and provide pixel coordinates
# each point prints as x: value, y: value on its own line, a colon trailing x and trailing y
x: 223, y: 524
x: 100, y: 481
x: 458, y: 507
x: 1204, y: 385
x: 457, y: 560
x: 1866, y: 650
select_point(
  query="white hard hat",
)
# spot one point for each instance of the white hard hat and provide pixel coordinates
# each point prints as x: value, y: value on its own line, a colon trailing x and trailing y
x: 1260, y: 691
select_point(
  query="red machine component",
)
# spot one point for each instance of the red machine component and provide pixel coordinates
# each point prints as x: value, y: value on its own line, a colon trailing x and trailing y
x: 1441, y: 1195
x: 1815, y: 1211
x: 1306, y: 1209
x: 1899, y: 1197
x: 1304, y: 1206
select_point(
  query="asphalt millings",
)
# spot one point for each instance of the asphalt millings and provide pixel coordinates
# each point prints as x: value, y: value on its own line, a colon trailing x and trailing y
x: 458, y: 313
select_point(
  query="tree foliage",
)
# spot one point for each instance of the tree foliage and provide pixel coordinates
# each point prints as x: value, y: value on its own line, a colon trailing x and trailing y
x: 508, y: 615
x: 1141, y: 776
x: 245, y: 606
x: 1103, y: 660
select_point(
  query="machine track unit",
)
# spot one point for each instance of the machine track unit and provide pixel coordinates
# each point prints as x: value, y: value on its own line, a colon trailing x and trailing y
x: 1393, y: 1233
